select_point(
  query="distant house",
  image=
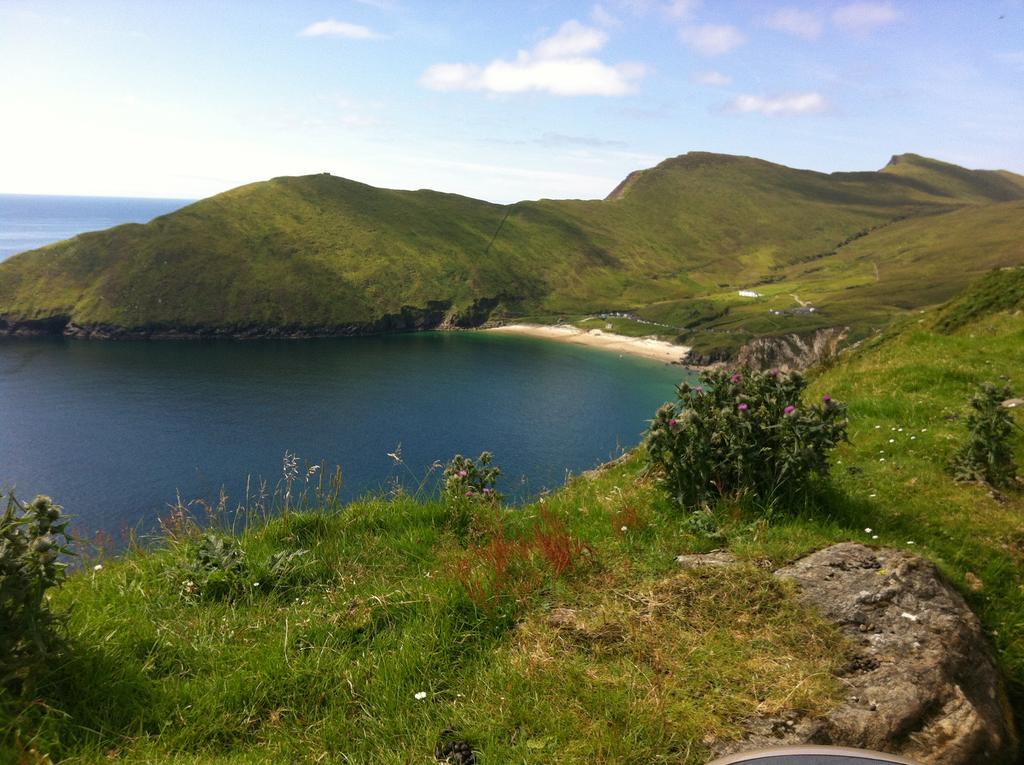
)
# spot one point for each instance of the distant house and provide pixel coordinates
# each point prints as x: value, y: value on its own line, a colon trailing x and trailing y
x: 749, y: 293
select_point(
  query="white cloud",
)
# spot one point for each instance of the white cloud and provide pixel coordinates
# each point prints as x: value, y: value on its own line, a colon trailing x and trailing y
x: 334, y: 28
x: 572, y: 39
x: 557, y: 64
x: 681, y: 9
x: 798, y: 103
x: 600, y: 16
x: 452, y: 77
x: 712, y: 39
x: 713, y: 79
x: 795, y: 22
x: 864, y: 17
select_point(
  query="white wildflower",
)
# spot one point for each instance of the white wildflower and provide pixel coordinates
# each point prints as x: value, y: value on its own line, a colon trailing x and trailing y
x: 420, y: 696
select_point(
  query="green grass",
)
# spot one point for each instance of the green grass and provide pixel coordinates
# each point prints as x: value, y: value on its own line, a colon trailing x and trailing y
x: 621, y: 658
x: 657, y: 661
x: 623, y: 326
x: 324, y: 254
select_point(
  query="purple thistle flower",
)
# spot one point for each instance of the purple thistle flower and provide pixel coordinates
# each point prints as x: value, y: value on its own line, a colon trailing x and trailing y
x: 673, y: 422
x: 826, y: 398
x: 789, y: 409
x: 736, y: 377
x: 462, y: 474
x: 775, y: 373
x: 488, y: 490
x: 742, y: 407
x: 469, y: 494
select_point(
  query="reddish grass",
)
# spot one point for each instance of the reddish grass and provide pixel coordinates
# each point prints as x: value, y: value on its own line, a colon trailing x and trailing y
x: 513, y: 568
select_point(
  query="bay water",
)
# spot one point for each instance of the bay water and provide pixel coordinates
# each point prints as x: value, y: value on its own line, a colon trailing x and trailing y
x: 114, y: 431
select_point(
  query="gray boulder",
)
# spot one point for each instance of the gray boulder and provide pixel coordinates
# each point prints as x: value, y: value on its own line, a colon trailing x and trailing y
x: 921, y: 681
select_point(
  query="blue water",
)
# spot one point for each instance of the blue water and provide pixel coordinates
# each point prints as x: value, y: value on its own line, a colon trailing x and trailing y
x: 113, y: 430
x: 28, y: 222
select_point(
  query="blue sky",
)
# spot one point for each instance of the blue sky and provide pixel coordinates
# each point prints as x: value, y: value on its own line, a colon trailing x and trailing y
x: 497, y: 100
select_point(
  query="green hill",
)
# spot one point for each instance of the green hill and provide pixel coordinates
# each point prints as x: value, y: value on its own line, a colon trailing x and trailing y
x: 937, y: 177
x: 324, y: 255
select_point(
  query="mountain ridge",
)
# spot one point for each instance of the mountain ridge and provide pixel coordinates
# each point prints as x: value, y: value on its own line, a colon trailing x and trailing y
x: 318, y: 254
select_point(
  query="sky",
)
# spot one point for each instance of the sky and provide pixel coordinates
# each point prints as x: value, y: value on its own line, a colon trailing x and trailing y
x: 496, y: 100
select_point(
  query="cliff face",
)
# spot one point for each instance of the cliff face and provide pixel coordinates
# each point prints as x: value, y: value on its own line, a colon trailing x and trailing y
x: 793, y: 351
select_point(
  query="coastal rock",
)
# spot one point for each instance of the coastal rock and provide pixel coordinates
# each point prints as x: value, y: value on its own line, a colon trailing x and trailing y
x: 436, y: 314
x: 708, y: 360
x: 793, y: 351
x: 920, y: 682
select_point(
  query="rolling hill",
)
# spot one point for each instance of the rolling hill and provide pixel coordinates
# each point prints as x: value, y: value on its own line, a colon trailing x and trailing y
x: 321, y: 255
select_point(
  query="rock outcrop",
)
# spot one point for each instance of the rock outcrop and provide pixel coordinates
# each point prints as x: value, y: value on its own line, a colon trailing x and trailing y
x: 436, y: 314
x: 920, y: 682
x: 791, y: 351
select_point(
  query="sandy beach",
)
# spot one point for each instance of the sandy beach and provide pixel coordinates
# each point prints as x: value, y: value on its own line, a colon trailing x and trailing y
x: 595, y: 338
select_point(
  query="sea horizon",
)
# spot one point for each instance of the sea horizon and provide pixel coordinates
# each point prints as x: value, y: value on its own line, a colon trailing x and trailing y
x: 31, y: 221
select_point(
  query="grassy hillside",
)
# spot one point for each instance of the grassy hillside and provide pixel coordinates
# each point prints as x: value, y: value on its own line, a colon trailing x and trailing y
x: 617, y: 657
x: 943, y: 178
x: 905, y: 265
x: 673, y: 243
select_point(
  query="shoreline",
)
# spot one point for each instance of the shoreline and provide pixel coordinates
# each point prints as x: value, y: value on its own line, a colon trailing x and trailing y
x: 647, y: 347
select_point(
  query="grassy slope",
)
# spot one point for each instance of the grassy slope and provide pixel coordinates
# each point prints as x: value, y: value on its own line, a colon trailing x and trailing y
x: 908, y: 264
x: 319, y: 251
x: 659, y: 661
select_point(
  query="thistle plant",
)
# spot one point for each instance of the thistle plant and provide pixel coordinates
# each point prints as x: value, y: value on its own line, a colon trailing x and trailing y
x: 32, y: 541
x: 988, y: 453
x: 474, y: 480
x: 743, y: 434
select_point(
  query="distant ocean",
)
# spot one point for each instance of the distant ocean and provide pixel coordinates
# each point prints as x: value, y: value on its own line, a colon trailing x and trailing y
x: 30, y: 221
